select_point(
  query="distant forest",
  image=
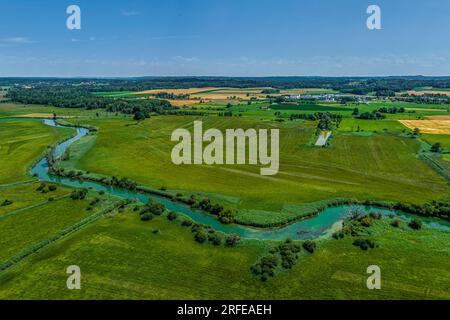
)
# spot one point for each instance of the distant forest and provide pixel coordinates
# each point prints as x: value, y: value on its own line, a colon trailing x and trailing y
x: 75, y: 97
x: 77, y: 92
x: 355, y: 85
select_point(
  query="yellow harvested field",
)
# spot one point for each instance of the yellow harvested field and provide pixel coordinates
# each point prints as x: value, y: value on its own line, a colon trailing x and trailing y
x: 438, y: 117
x: 419, y: 93
x: 429, y: 126
x: 177, y: 91
x: 182, y: 103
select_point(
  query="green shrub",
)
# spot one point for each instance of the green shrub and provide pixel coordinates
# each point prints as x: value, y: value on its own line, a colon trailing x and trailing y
x: 309, y: 246
x: 6, y: 203
x: 226, y: 216
x: 395, y: 223
x: 415, y: 224
x: 146, y: 216
x: 265, y: 268
x: 338, y: 235
x: 79, y: 194
x: 364, y: 244
x: 186, y: 223
x: 201, y: 236
x: 172, y: 216
x: 232, y: 240
x: 215, y: 239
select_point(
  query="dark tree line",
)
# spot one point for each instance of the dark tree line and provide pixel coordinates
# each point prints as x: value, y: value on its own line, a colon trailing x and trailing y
x: 381, y: 86
x: 69, y: 97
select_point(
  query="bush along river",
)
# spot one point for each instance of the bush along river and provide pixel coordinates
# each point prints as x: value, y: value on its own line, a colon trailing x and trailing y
x: 314, y: 227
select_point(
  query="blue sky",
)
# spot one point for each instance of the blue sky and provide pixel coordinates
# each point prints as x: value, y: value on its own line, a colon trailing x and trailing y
x: 224, y: 37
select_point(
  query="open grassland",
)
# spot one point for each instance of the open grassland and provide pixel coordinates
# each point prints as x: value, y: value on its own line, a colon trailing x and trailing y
x: 429, y: 126
x: 355, y: 125
x: 443, y: 139
x: 121, y: 258
x: 308, y: 107
x: 21, y: 143
x: 24, y: 228
x: 25, y: 196
x: 36, y: 111
x: 379, y: 166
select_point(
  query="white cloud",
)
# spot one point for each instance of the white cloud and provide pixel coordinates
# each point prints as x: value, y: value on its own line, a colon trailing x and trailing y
x: 17, y: 40
x: 185, y: 59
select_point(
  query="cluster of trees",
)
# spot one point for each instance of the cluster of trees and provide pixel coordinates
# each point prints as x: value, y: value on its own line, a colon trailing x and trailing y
x: 355, y: 223
x: 392, y: 110
x: 415, y: 224
x: 44, y: 188
x: 71, y: 97
x: 364, y: 244
x: 436, y: 147
x: 79, y: 194
x: 124, y: 183
x: 427, y: 98
x: 203, y: 233
x: 285, y: 254
x: 270, y: 91
x: 328, y: 121
x: 382, y: 86
x: 265, y: 268
x: 374, y: 115
x: 171, y: 96
x: 434, y: 208
x: 151, y: 209
x: 224, y: 215
x: 288, y: 252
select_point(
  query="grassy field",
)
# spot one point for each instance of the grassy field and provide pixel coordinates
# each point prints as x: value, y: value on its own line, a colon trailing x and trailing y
x: 25, y: 196
x: 352, y: 125
x: 21, y: 143
x: 308, y: 107
x: 20, y: 110
x: 21, y: 229
x: 443, y: 139
x: 379, y: 166
x: 171, y: 265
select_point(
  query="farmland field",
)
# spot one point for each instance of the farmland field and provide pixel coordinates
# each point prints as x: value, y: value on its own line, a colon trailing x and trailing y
x: 21, y: 143
x: 373, y: 167
x: 365, y: 159
x: 429, y: 126
x: 156, y: 264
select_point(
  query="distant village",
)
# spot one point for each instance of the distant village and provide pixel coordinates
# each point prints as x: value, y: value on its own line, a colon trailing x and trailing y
x: 330, y: 97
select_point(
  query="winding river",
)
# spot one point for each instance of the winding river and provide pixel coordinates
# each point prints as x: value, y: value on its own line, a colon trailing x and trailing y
x: 320, y: 225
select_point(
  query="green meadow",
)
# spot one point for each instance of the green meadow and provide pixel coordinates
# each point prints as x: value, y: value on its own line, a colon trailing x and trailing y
x: 20, y: 110
x: 22, y: 142
x: 122, y: 258
x: 378, y: 166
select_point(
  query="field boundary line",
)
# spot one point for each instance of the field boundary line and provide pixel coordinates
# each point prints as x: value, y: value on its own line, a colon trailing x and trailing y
x: 13, y: 184
x: 436, y: 166
x: 18, y: 211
